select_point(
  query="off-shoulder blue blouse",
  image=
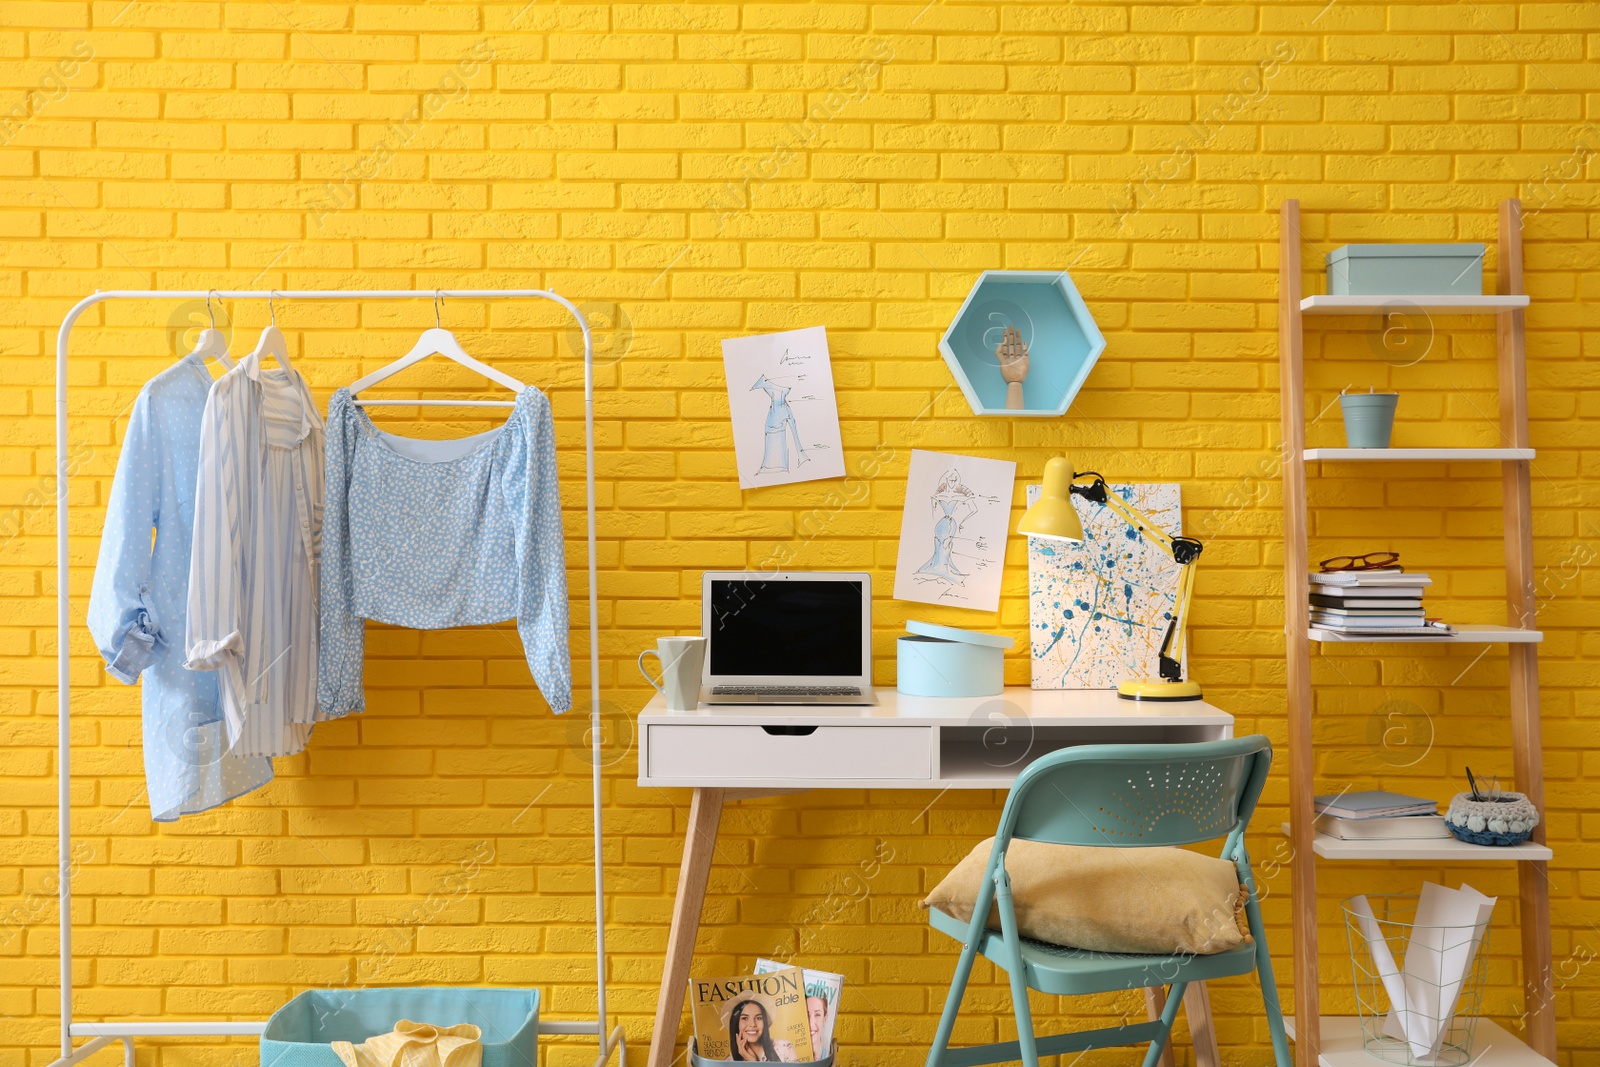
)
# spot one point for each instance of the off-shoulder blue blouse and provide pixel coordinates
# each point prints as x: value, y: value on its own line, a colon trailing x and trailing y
x: 434, y: 534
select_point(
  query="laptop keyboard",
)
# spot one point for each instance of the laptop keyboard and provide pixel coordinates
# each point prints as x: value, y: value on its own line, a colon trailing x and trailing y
x: 786, y: 690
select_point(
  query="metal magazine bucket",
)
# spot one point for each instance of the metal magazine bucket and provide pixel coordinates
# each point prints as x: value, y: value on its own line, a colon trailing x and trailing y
x: 695, y: 1059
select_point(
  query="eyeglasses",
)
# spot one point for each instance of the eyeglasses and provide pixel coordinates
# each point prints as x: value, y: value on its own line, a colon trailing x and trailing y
x: 1370, y: 562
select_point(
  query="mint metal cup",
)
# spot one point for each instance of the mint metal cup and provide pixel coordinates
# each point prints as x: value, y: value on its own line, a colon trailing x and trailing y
x: 1368, y: 418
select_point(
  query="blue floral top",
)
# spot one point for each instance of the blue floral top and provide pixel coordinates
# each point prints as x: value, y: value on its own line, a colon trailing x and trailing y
x: 433, y: 534
x: 138, y: 605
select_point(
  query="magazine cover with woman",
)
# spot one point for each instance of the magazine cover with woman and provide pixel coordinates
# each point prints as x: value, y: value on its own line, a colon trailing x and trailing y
x: 759, y: 1018
x: 822, y: 1003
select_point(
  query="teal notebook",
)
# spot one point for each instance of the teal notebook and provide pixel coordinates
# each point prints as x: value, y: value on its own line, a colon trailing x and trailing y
x: 1373, y: 804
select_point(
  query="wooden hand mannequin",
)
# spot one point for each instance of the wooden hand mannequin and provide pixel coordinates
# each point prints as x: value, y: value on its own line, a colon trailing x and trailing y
x: 1013, y: 357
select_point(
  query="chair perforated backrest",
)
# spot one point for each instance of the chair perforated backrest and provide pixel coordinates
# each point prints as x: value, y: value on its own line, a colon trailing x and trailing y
x: 1138, y: 795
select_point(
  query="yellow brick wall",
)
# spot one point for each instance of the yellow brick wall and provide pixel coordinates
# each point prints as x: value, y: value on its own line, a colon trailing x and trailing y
x: 690, y: 171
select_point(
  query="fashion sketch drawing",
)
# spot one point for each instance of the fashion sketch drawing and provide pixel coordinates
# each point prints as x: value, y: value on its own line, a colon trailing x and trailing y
x: 780, y: 428
x: 953, y: 530
x: 782, y: 406
x: 952, y: 504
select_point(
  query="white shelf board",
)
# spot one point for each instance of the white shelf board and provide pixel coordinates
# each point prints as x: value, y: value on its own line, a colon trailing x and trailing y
x: 1395, y: 454
x: 1433, y: 305
x: 1469, y: 633
x: 1492, y: 1045
x: 1428, y: 849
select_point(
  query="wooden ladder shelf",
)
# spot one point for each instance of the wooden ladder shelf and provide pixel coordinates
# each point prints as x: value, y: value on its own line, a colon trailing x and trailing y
x: 1314, y: 1035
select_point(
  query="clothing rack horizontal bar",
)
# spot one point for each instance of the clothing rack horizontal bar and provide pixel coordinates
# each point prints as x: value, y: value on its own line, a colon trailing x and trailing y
x: 435, y: 403
x: 106, y: 1034
x: 211, y: 1028
x: 177, y: 1028
x: 319, y: 294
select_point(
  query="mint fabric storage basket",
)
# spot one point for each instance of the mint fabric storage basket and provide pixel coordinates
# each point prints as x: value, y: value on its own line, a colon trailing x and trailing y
x: 300, y: 1033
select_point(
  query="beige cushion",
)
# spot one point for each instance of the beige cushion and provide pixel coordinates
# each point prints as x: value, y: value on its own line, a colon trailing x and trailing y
x: 1152, y: 900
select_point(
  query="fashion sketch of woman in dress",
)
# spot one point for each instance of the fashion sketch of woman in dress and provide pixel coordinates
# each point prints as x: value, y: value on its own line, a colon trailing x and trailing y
x: 779, y: 427
x: 954, y: 504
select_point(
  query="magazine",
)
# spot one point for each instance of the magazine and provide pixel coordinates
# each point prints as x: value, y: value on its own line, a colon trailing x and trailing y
x: 759, y: 1017
x: 822, y: 1003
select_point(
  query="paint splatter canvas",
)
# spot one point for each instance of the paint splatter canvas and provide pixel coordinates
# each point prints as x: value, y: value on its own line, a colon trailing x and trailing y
x: 1098, y: 611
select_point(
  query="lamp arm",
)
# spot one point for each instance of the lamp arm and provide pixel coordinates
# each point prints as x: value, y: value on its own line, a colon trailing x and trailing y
x: 1183, y: 550
x: 1138, y: 520
x: 1170, y: 658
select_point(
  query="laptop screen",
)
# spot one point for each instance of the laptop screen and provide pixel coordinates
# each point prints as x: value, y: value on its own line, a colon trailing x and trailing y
x: 786, y: 628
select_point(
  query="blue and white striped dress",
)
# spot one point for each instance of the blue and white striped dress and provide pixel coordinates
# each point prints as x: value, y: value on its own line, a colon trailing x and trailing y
x: 253, y: 585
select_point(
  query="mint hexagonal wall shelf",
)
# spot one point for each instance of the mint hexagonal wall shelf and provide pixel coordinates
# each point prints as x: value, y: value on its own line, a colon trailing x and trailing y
x: 1062, y: 338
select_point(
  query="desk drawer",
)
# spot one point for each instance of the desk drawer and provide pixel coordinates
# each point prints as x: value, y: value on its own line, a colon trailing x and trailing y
x: 881, y: 753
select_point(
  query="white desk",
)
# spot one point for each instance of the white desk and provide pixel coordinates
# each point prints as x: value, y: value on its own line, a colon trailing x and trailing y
x: 904, y: 742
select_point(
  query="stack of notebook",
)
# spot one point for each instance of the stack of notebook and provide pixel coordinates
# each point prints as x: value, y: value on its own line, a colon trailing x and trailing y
x: 1375, y: 603
x: 1378, y: 816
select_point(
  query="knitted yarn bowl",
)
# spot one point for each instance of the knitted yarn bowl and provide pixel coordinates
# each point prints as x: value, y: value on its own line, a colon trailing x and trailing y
x: 1501, y: 819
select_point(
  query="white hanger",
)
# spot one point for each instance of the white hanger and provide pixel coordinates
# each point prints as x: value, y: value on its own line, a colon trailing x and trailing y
x: 213, y: 343
x: 272, y: 342
x: 436, y: 341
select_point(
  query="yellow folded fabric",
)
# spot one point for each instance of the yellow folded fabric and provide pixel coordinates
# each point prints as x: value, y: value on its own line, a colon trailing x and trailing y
x: 416, y: 1045
x: 1149, y: 900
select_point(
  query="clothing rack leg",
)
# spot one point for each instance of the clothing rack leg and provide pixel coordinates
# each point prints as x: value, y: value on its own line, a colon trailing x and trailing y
x: 64, y: 681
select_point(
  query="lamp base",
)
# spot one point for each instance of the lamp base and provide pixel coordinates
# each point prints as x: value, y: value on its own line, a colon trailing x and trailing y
x: 1158, y: 689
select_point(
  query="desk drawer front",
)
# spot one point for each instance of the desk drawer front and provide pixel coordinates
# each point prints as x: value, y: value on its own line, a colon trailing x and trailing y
x: 883, y: 753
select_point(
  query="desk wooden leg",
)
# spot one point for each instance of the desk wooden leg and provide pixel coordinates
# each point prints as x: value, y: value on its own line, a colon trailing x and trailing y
x: 1197, y: 1006
x: 699, y: 842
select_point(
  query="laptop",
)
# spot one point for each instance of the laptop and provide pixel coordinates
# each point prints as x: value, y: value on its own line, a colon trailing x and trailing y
x: 800, y: 638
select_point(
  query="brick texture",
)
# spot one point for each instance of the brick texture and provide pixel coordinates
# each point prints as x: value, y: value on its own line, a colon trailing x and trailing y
x: 688, y: 172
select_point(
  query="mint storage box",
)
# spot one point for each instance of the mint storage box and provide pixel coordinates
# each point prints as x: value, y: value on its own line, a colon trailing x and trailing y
x: 299, y: 1033
x: 1406, y: 270
x: 943, y: 661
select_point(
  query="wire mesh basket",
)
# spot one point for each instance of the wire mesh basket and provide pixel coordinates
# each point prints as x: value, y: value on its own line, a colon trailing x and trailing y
x: 1424, y: 1014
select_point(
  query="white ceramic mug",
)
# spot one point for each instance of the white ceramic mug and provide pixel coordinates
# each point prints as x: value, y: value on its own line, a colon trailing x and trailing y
x: 681, y: 659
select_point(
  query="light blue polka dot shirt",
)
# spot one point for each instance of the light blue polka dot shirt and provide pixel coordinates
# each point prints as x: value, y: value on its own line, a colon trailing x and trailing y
x: 434, y: 534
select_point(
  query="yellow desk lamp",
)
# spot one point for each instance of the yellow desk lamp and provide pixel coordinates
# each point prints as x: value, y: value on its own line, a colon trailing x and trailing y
x: 1053, y: 517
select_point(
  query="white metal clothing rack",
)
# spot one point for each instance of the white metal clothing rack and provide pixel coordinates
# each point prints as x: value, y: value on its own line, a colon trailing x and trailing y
x: 102, y: 1034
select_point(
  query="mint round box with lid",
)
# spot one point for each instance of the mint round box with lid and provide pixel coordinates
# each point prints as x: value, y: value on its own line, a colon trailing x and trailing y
x: 944, y: 661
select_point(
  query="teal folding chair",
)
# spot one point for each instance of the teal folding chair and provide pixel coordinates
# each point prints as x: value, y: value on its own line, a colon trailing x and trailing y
x: 1122, y: 796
